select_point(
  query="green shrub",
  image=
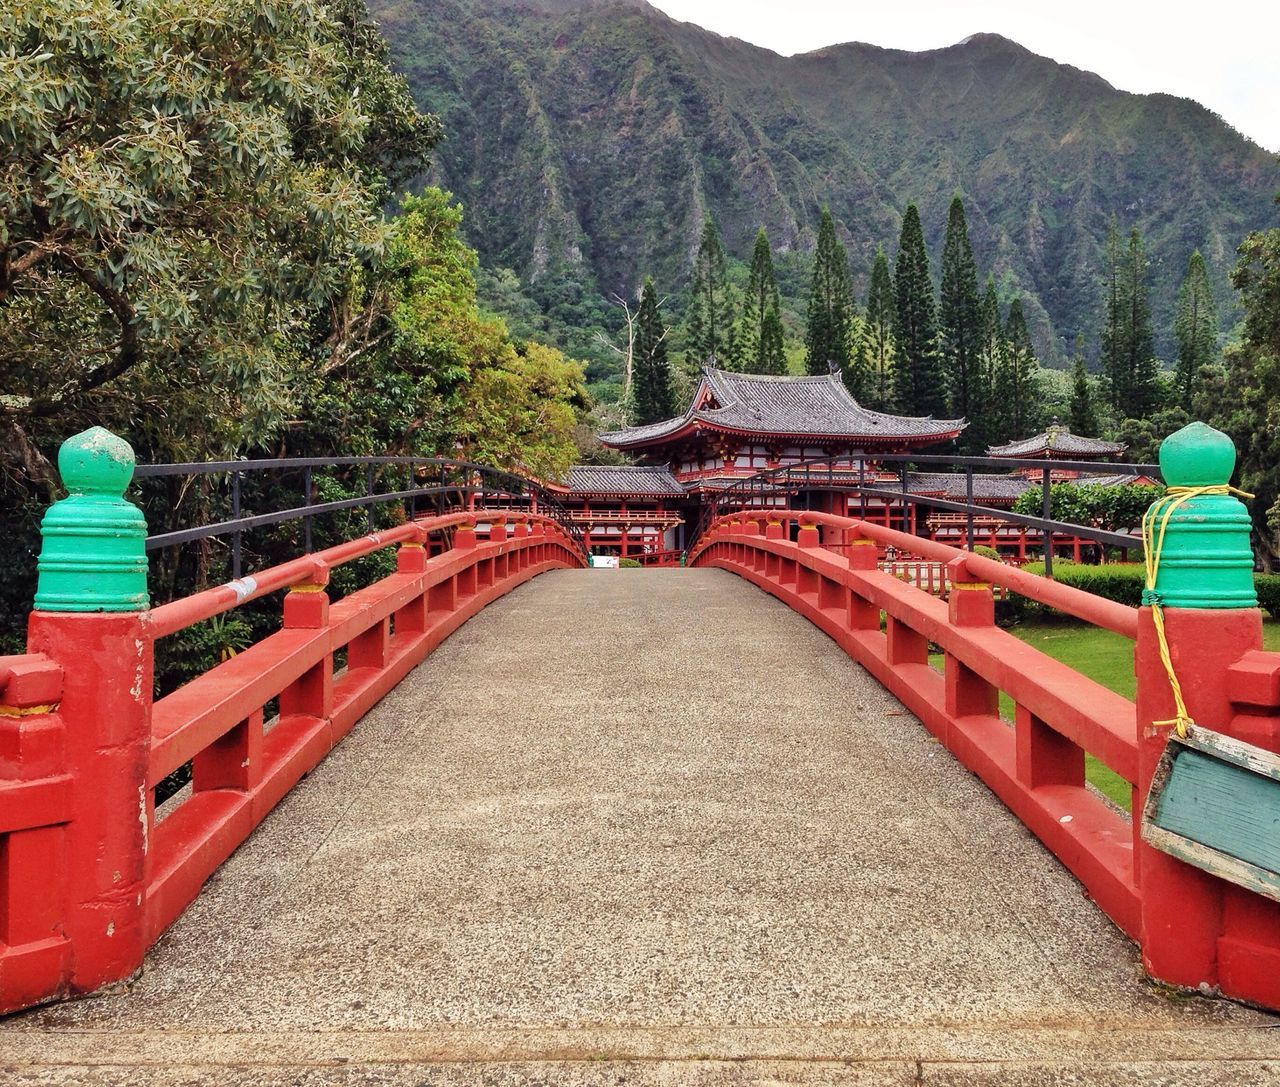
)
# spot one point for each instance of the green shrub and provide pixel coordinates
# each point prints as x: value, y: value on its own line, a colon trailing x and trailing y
x: 627, y: 564
x: 1268, y: 586
x: 987, y: 552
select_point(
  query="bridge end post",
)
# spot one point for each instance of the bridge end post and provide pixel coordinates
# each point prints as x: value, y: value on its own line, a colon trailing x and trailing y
x: 91, y: 618
x: 1204, y: 592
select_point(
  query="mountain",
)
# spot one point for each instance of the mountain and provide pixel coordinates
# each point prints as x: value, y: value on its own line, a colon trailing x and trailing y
x: 589, y: 138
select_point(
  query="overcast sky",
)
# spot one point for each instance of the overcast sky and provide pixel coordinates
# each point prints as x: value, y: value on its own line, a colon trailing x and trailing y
x: 1224, y: 54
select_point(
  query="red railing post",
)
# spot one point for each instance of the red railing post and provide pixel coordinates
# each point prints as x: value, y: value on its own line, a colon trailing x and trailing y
x: 969, y: 604
x: 306, y: 607
x: 90, y: 618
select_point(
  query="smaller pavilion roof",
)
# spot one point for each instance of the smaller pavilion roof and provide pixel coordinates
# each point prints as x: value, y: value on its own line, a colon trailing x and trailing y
x: 619, y: 479
x: 1058, y: 441
x: 952, y: 486
x: 816, y: 406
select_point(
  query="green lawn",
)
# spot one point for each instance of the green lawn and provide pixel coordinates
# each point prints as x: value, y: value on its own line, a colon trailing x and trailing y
x: 1104, y: 657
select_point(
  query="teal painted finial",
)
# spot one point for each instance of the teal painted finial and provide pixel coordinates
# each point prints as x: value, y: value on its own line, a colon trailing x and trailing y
x: 93, y: 556
x: 1206, y: 560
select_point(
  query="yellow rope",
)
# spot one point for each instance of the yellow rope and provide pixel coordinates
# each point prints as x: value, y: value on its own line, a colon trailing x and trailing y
x: 1154, y: 523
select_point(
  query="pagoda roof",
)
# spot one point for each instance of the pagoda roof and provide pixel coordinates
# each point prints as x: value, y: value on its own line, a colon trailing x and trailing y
x: 617, y: 479
x: 1058, y: 441
x: 801, y: 407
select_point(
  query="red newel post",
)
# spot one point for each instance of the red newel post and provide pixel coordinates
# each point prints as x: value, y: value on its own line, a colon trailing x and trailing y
x: 91, y: 618
x: 1205, y: 588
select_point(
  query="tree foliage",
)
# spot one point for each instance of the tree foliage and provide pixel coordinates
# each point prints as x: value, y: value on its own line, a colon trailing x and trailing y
x: 961, y: 321
x: 1113, y: 508
x: 709, y: 330
x: 1128, y: 344
x: 1195, y: 327
x: 762, y: 333
x: 654, y: 397
x: 877, y: 349
x: 921, y: 385
x: 829, y: 329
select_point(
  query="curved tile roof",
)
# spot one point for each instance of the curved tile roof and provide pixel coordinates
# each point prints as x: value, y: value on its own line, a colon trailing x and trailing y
x: 819, y: 406
x: 1057, y: 439
x: 621, y: 479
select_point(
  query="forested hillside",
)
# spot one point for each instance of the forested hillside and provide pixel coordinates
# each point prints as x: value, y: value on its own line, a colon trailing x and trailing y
x: 590, y: 139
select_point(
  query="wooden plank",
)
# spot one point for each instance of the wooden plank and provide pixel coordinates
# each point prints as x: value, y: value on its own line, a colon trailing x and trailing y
x: 1215, y: 804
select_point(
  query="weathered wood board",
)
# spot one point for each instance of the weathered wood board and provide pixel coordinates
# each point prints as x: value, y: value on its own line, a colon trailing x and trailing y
x: 1215, y: 803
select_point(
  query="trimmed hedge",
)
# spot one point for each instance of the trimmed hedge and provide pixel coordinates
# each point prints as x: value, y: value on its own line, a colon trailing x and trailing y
x: 1123, y: 582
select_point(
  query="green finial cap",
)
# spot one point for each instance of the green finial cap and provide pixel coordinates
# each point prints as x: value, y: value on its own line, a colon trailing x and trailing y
x: 1206, y: 560
x: 93, y: 556
x: 1197, y: 456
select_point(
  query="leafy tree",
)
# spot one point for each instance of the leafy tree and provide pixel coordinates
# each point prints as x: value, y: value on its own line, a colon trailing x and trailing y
x: 165, y: 226
x: 1082, y: 417
x: 653, y: 394
x: 828, y: 333
x: 1195, y: 326
x: 1022, y: 374
x: 961, y: 320
x: 761, y: 325
x: 877, y: 348
x: 921, y: 384
x: 709, y: 332
x: 1116, y: 508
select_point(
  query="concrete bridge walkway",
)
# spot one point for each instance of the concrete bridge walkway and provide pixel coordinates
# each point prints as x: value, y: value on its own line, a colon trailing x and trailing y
x: 644, y: 827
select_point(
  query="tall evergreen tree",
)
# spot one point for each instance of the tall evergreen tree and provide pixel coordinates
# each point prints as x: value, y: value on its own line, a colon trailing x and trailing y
x: 1023, y: 370
x: 654, y: 400
x: 921, y: 386
x: 990, y: 421
x: 1082, y: 416
x: 829, y: 331
x: 877, y: 350
x: 961, y: 319
x: 709, y: 331
x: 1196, y: 327
x: 1128, y: 343
x: 761, y: 326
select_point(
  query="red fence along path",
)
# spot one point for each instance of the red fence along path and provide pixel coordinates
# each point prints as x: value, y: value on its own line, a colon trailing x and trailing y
x: 1195, y: 930
x: 90, y: 873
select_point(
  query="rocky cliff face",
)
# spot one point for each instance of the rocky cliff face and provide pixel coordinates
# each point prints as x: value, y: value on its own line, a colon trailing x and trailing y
x: 592, y: 136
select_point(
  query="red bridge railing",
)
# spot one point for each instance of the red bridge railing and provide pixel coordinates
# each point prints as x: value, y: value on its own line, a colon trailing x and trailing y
x: 1195, y: 930
x: 90, y: 872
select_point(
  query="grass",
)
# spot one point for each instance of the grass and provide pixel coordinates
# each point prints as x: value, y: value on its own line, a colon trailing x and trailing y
x: 1104, y: 657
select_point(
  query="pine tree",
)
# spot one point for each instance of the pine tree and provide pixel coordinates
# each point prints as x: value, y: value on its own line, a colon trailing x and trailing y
x: 1128, y: 343
x: 1082, y: 417
x: 1114, y: 355
x: 653, y: 396
x: 709, y: 325
x: 990, y: 422
x: 877, y: 350
x: 1196, y: 327
x: 761, y: 326
x: 961, y: 318
x: 1023, y: 383
x: 828, y: 335
x: 921, y: 387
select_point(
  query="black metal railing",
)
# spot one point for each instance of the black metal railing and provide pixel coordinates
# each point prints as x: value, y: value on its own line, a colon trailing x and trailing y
x: 434, y: 484
x: 850, y: 475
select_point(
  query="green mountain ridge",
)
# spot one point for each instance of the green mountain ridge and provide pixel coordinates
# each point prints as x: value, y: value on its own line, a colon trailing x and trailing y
x: 589, y: 138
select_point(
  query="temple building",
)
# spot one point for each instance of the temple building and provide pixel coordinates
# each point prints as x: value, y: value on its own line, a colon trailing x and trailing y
x: 737, y: 425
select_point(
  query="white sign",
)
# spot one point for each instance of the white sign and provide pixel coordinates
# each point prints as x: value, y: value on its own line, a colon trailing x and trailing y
x: 604, y: 562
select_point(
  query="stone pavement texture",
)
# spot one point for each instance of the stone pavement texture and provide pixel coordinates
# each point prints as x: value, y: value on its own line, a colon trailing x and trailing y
x: 644, y: 827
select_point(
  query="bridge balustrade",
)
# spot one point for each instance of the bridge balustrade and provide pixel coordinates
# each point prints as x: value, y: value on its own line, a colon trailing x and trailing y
x: 1195, y: 930
x: 91, y: 873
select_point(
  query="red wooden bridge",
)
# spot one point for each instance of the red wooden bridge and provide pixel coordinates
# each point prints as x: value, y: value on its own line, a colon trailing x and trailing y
x: 618, y: 820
